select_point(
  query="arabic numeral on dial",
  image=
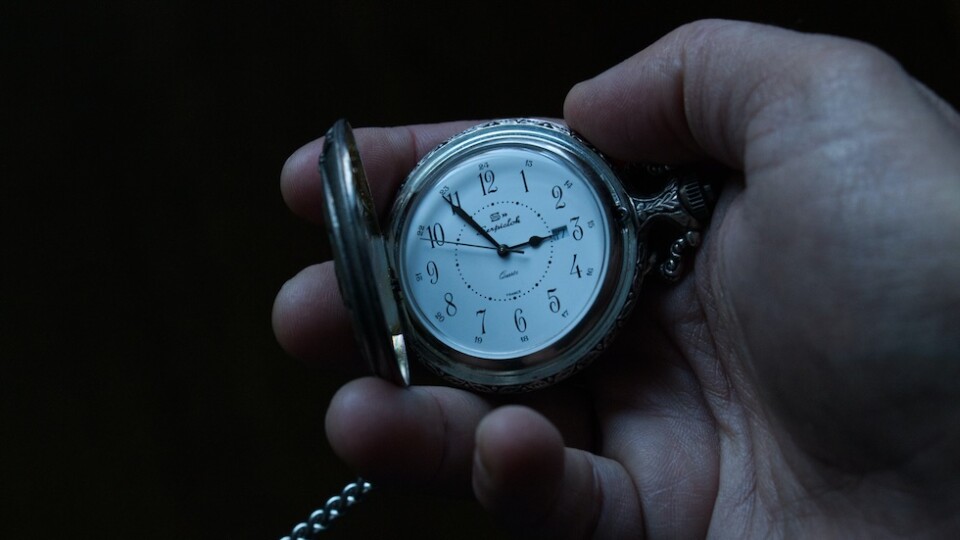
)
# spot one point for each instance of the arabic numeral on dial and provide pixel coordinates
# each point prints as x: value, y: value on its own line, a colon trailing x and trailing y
x: 557, y: 193
x: 524, y: 338
x: 454, y: 200
x: 575, y: 268
x: 577, y: 229
x: 436, y: 235
x: 451, y: 307
x: 519, y: 321
x: 486, y: 182
x: 482, y: 313
x: 433, y: 272
x: 523, y: 175
x: 554, y: 300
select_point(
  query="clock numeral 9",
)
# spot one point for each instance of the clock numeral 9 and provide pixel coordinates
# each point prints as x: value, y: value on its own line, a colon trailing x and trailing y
x: 433, y: 272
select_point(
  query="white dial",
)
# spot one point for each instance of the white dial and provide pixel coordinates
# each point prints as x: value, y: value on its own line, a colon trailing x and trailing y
x: 504, y: 252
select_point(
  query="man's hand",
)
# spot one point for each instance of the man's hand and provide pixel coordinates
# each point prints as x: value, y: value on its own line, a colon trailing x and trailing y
x: 803, y: 380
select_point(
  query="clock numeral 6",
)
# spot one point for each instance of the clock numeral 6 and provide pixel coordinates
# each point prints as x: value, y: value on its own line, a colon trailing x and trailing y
x: 519, y: 321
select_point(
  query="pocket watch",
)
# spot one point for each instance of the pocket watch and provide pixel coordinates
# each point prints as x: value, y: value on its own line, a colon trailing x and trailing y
x: 512, y: 256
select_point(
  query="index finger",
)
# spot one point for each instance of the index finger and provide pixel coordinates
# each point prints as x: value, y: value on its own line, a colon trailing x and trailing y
x: 388, y: 154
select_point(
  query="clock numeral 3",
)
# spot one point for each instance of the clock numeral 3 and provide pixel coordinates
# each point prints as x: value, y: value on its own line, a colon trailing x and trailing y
x: 577, y: 229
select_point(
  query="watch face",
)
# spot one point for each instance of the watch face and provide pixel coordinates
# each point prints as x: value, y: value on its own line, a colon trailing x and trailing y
x: 507, y: 250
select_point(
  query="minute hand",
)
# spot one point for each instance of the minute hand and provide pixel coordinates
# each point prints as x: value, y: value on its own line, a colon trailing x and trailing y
x: 470, y: 221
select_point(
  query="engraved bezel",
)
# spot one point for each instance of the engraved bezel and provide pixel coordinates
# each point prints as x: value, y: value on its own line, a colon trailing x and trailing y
x: 617, y: 291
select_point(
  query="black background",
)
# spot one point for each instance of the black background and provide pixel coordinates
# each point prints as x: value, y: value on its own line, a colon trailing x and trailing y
x: 144, y: 236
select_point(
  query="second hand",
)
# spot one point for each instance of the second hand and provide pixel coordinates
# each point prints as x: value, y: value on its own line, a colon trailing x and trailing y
x: 470, y: 245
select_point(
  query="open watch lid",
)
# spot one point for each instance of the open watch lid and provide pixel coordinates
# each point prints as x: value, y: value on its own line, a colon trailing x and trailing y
x: 360, y: 256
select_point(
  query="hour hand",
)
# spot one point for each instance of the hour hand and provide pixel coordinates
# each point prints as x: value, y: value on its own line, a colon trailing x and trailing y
x: 535, y: 241
x: 470, y: 221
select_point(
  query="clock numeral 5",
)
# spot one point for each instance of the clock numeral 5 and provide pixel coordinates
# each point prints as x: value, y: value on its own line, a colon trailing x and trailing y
x: 554, y: 301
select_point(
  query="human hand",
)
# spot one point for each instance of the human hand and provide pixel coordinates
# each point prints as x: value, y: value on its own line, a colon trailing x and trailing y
x: 803, y: 380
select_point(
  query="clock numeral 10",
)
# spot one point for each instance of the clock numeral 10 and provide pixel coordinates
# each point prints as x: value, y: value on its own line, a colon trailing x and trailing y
x: 436, y: 235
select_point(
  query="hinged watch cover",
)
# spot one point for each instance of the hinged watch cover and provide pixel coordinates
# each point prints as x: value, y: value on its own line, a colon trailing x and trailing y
x: 360, y: 257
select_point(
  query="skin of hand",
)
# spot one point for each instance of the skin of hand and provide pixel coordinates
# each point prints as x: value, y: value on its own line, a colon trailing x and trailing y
x: 802, y: 380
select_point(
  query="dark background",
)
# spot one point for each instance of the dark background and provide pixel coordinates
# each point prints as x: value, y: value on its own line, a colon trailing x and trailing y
x: 144, y: 236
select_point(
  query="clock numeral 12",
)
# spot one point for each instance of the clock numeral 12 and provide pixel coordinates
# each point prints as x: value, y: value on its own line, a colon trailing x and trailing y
x: 486, y: 182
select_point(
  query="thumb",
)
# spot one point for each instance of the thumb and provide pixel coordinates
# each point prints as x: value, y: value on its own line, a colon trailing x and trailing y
x: 534, y: 486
